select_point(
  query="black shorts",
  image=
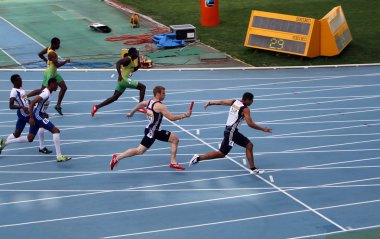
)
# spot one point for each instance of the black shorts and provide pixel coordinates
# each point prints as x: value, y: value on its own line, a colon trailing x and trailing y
x: 150, y: 137
x: 231, y: 138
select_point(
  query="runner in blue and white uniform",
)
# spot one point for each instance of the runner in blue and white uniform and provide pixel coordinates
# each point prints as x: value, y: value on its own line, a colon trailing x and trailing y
x: 239, y: 112
x: 19, y: 101
x: 156, y: 110
x: 38, y: 117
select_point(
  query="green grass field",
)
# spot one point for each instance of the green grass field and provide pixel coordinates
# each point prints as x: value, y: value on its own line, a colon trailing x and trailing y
x: 362, y: 17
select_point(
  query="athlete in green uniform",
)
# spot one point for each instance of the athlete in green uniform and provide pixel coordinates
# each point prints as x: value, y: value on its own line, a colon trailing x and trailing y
x: 125, y: 67
x: 51, y: 70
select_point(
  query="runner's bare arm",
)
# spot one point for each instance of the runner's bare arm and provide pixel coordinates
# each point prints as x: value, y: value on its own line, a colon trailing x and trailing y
x: 219, y: 102
x: 160, y: 108
x: 250, y: 123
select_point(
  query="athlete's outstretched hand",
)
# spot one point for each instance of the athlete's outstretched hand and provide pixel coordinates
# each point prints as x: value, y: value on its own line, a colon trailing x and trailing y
x: 188, y: 113
x: 268, y: 130
x: 130, y: 115
x: 207, y: 104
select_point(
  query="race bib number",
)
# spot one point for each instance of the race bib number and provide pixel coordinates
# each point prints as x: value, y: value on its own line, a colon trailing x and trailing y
x: 231, y: 143
x: 150, y: 134
x: 233, y: 111
x: 46, y: 121
x: 25, y: 99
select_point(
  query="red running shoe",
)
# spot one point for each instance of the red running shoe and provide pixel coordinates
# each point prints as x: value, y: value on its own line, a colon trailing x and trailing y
x: 142, y: 110
x: 113, y: 162
x: 176, y: 166
x: 94, y: 109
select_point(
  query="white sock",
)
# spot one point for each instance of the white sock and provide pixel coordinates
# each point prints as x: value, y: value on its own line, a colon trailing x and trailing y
x: 41, y: 135
x: 10, y: 137
x: 57, y: 145
x: 21, y: 139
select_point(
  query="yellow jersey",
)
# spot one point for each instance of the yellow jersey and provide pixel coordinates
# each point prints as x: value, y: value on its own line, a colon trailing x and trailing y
x: 126, y: 71
x: 50, y: 64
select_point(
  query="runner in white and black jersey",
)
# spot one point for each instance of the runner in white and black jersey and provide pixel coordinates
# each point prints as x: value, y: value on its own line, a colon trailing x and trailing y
x: 239, y: 112
x: 156, y: 110
x: 19, y: 101
x: 38, y: 117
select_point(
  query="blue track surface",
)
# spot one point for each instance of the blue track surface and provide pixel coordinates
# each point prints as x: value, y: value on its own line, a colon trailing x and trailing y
x: 323, y: 155
x: 20, y: 46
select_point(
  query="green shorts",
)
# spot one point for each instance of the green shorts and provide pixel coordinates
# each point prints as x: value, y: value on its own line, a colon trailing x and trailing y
x: 126, y: 83
x: 48, y: 74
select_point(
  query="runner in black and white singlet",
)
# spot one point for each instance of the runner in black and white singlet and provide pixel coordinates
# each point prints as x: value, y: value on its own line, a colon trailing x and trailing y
x: 156, y: 110
x: 239, y: 112
x: 19, y: 101
x: 153, y: 129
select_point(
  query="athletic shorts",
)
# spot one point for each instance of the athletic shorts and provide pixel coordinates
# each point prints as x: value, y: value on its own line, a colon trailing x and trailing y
x: 21, y: 121
x: 48, y: 74
x: 41, y: 122
x: 122, y: 85
x: 151, y: 136
x: 231, y: 138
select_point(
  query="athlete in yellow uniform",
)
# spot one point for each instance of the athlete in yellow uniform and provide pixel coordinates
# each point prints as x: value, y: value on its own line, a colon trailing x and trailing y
x: 51, y: 71
x: 125, y: 67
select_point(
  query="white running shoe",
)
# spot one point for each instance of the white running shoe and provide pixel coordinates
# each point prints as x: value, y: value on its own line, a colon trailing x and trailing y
x: 257, y: 171
x: 194, y: 160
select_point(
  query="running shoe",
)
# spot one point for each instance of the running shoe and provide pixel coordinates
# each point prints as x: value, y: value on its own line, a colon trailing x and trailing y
x: 94, y: 109
x: 194, y: 160
x: 257, y: 171
x: 63, y: 159
x: 2, y: 145
x: 142, y: 110
x: 58, y: 109
x: 45, y: 151
x: 176, y: 166
x: 113, y: 162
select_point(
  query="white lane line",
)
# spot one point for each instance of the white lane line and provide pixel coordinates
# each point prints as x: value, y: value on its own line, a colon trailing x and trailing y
x: 320, y: 168
x: 291, y: 188
x: 327, y: 129
x: 213, y: 139
x: 121, y: 172
x: 113, y: 112
x: 119, y: 101
x: 306, y: 117
x: 178, y: 204
x: 320, y: 87
x: 333, y: 145
x: 237, y: 220
x: 353, y: 181
x: 184, y: 172
x: 191, y: 154
x: 134, y: 210
x: 315, y: 151
x: 334, y: 232
x: 13, y: 59
x: 278, y: 79
x: 280, y: 83
x: 317, y: 90
x: 322, y: 102
x: 86, y: 141
x: 132, y: 188
x: 18, y: 29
